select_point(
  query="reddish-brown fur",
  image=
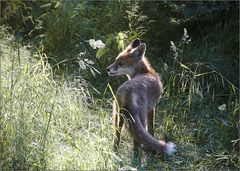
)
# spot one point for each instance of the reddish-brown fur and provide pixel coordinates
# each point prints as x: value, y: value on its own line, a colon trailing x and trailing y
x: 137, y: 98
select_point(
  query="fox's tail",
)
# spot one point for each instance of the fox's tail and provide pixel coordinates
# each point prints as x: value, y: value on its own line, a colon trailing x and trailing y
x: 141, y: 135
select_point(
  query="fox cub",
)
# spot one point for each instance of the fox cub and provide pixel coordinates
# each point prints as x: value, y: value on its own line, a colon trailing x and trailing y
x: 137, y: 99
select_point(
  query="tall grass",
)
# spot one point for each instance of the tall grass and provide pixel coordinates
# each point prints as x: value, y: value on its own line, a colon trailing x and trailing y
x: 199, y: 110
x: 46, y: 124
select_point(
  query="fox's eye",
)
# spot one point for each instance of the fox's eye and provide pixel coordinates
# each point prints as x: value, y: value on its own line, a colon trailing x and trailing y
x: 121, y: 63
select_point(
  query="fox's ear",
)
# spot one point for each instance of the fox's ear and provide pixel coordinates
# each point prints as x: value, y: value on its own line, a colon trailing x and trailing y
x: 135, y: 43
x: 140, y: 51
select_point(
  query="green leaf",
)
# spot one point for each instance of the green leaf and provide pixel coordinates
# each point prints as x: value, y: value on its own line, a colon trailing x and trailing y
x: 110, y: 38
x: 101, y: 52
x: 120, y: 45
x: 121, y: 35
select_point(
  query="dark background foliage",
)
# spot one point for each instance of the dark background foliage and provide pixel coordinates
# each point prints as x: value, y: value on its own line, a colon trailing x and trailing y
x: 56, y: 27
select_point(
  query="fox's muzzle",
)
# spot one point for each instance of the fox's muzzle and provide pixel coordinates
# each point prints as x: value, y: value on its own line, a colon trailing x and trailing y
x: 111, y: 70
x: 107, y: 69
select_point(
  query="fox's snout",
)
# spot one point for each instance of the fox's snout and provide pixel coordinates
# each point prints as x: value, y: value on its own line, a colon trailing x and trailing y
x: 110, y: 70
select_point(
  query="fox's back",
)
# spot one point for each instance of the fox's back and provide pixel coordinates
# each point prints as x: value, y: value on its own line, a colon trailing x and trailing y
x: 142, y: 90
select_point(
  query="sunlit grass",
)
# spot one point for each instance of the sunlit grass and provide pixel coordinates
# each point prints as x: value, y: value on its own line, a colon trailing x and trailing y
x: 46, y: 124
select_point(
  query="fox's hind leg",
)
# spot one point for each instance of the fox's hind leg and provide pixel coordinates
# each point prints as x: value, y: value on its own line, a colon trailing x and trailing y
x: 151, y: 155
x: 151, y: 119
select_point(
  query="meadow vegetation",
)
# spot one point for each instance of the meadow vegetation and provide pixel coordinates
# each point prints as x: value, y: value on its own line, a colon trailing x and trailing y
x: 55, y: 101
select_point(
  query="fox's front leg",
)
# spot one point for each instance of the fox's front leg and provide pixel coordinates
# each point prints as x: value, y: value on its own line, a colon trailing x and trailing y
x: 118, y: 128
x: 118, y: 121
x: 151, y: 120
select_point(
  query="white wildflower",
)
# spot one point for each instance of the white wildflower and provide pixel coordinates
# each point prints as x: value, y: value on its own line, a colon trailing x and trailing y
x: 222, y: 107
x: 100, y: 44
x: 92, y: 43
x: 96, y: 44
